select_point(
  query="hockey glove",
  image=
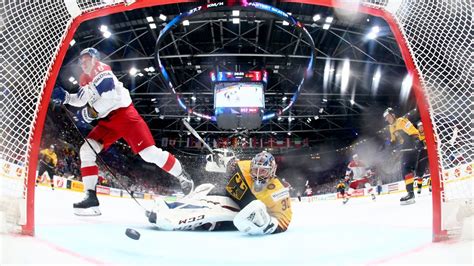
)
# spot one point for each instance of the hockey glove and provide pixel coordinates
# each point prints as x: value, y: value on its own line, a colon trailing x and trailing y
x: 60, y: 96
x: 255, y: 220
x: 83, y: 116
x: 419, y: 145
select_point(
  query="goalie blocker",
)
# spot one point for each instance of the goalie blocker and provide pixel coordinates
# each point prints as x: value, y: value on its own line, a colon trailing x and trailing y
x: 256, y: 203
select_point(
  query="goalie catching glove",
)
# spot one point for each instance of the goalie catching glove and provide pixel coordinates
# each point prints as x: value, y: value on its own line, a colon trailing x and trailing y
x: 255, y: 220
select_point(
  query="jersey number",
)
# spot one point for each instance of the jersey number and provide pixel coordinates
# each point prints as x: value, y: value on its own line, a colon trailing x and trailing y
x: 285, y: 204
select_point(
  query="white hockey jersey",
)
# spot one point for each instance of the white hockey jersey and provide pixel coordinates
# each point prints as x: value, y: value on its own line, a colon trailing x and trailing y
x: 356, y: 170
x: 102, y: 91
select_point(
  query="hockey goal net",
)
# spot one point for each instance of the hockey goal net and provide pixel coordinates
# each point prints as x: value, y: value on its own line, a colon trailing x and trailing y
x: 434, y: 38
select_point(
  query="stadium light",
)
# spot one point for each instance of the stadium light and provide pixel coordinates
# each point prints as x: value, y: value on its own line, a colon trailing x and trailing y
x: 406, y: 87
x: 107, y: 34
x: 352, y: 102
x: 376, y: 81
x: 162, y: 17
x: 157, y: 110
x: 373, y: 32
x: 329, y: 19
x: 71, y: 79
x: 72, y: 42
x: 285, y: 23
x: 326, y: 26
x: 321, y: 110
x: 149, y: 19
x: 326, y: 76
x: 316, y: 117
x: 325, y: 100
x: 133, y: 71
x: 152, y: 26
x: 235, y: 20
x: 289, y: 133
x: 235, y: 13
x: 193, y: 98
x: 103, y: 28
x: 316, y: 17
x: 74, y: 82
x: 186, y: 22
x: 346, y: 72
x: 284, y: 99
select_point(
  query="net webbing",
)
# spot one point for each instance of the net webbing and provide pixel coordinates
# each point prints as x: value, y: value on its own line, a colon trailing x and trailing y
x: 439, y: 36
x: 31, y: 35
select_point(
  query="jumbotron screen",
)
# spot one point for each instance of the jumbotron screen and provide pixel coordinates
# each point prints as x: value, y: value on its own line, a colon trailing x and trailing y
x: 238, y: 94
x: 239, y: 100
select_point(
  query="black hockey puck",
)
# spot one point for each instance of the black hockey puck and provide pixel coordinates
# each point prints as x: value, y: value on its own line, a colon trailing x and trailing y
x: 133, y: 234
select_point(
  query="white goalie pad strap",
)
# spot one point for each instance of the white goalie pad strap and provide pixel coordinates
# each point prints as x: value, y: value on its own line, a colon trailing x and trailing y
x: 255, y: 220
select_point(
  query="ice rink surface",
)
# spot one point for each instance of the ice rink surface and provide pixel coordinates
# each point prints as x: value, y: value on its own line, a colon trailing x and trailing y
x: 362, y: 232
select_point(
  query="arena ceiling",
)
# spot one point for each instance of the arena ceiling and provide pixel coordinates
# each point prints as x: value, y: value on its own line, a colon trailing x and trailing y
x: 212, y: 42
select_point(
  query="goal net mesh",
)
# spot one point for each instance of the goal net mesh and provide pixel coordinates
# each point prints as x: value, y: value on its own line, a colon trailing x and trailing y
x: 438, y: 35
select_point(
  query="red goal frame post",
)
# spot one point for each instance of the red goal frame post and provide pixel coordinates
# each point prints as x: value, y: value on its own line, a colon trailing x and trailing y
x: 421, y: 98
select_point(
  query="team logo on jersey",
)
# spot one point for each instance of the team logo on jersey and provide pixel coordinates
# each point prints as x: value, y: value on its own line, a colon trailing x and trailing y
x: 236, y: 186
x: 271, y: 186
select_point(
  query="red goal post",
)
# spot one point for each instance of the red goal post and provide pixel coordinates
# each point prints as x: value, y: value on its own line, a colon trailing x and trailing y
x: 37, y: 36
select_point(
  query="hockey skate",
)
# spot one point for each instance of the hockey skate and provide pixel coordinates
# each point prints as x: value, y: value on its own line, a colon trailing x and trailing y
x: 373, y: 197
x: 89, y: 206
x: 187, y: 184
x: 408, y: 199
x: 345, y: 200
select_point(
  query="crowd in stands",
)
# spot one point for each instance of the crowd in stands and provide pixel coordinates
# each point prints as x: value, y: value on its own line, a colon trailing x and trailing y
x: 123, y: 168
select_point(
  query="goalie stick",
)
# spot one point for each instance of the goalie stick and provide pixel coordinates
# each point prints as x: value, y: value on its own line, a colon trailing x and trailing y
x: 191, y: 129
x: 195, y: 134
x: 68, y: 114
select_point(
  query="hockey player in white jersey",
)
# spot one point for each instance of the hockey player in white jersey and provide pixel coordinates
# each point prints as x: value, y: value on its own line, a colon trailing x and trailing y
x: 105, y: 99
x: 357, y: 175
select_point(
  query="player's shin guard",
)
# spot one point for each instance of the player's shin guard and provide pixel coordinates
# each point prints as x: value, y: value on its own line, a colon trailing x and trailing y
x: 410, y: 197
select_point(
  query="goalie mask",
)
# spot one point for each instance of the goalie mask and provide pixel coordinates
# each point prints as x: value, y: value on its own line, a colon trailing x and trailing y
x: 262, y: 169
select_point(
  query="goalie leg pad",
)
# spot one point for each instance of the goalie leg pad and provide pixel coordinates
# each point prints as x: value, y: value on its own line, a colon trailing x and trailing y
x: 254, y: 219
x: 191, y: 214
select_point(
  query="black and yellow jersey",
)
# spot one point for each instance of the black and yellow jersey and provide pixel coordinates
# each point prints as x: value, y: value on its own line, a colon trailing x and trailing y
x: 49, y: 156
x: 421, y: 137
x: 275, y: 196
x: 340, y: 186
x: 402, y: 132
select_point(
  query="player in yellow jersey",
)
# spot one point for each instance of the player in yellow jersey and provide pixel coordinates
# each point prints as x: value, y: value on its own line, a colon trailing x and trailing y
x: 404, y: 138
x: 264, y: 201
x: 422, y: 163
x: 48, y: 162
x: 257, y: 203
